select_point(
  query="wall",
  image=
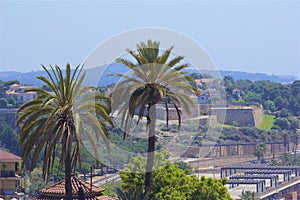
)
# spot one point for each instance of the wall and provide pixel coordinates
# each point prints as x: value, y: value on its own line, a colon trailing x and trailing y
x: 208, y: 120
x: 9, y: 166
x: 8, y: 184
x: 258, y: 116
x: 242, y: 116
x: 161, y: 113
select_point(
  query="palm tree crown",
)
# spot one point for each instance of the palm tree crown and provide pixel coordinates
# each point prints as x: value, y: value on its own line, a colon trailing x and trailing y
x: 58, y: 120
x: 154, y: 79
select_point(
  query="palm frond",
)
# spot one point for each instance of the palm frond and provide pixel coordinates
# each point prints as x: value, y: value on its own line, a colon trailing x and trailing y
x: 129, y: 64
x: 49, y: 119
x: 165, y: 56
x: 175, y: 61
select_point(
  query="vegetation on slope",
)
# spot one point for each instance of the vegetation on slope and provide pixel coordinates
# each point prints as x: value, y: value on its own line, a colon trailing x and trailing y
x: 267, y: 123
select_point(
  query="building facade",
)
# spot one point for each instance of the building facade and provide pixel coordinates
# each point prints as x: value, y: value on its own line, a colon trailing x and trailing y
x: 18, y: 92
x: 9, y: 180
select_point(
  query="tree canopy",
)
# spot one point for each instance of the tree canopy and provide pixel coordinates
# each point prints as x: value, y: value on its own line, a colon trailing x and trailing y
x: 260, y: 150
x: 273, y: 96
x: 170, y: 182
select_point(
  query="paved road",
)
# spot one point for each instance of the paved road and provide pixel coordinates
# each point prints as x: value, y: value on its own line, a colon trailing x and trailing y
x: 112, y: 177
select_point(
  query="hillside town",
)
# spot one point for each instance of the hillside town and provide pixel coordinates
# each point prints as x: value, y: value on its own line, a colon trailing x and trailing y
x: 254, y: 150
x: 149, y: 100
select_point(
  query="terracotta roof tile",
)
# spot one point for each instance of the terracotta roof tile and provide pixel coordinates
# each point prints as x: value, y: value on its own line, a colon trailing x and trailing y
x: 8, y: 157
x: 57, y: 191
x: 104, y: 197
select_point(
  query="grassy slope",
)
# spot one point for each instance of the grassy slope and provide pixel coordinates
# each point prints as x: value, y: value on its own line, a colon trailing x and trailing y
x: 267, y: 123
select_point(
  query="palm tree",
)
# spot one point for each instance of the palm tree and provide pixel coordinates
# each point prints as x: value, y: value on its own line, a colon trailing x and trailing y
x: 259, y: 151
x: 154, y: 80
x: 286, y: 143
x: 57, y: 121
x: 248, y: 195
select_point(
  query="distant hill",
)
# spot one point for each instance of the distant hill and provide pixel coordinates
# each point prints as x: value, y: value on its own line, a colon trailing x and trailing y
x: 238, y: 75
x: 93, y: 75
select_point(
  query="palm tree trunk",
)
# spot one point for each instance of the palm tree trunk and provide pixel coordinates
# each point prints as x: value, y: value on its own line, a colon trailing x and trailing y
x: 295, y: 143
x: 68, y: 171
x: 151, y: 148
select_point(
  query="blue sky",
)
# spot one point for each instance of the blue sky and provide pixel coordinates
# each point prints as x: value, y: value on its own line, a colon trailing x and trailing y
x: 252, y: 36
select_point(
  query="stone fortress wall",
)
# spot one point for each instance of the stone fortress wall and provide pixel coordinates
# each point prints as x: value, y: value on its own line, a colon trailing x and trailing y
x: 241, y: 114
x: 258, y: 116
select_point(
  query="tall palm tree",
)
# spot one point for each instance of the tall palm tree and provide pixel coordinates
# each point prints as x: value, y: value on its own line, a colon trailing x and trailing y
x: 155, y: 79
x: 57, y: 121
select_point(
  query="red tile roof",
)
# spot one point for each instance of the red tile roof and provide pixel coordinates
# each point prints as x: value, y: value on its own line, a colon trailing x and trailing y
x: 8, y: 157
x: 57, y: 191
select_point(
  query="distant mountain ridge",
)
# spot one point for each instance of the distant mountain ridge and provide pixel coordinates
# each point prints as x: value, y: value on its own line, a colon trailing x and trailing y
x: 94, y: 74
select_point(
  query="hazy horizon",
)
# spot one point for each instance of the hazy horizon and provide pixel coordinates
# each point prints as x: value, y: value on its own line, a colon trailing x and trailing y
x: 229, y: 70
x: 248, y: 36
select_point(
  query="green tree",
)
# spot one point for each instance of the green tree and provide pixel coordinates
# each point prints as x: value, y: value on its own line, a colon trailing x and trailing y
x: 248, y: 195
x: 11, y: 100
x: 282, y: 123
x: 133, y: 176
x: 295, y: 139
x: 296, y: 88
x: 9, y: 138
x: 279, y: 102
x: 269, y: 105
x: 48, y: 122
x: 2, y: 89
x: 211, y: 189
x: 154, y: 80
x: 252, y: 97
x: 3, y: 103
x: 196, y: 75
x: 205, y: 75
x: 294, y: 106
x: 284, y: 113
x: 85, y: 168
x: 183, y: 165
x: 34, y: 182
x: 228, y: 81
x: 4, y: 85
x: 259, y: 151
x: 170, y: 182
x: 125, y: 195
x: 294, y: 124
x: 288, y: 159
